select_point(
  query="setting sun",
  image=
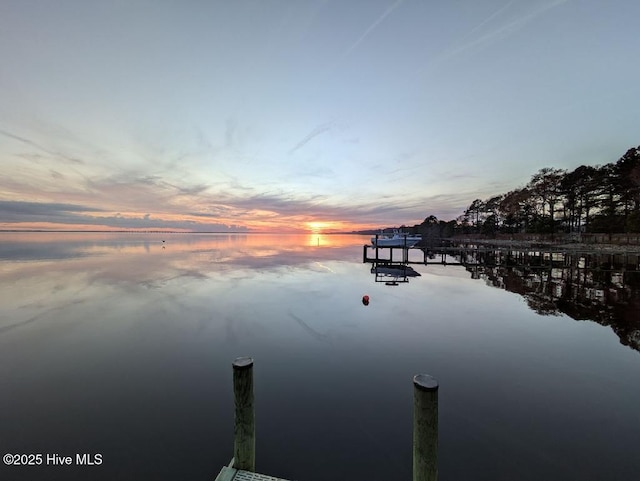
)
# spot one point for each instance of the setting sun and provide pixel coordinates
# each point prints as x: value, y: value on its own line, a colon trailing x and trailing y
x: 317, y: 227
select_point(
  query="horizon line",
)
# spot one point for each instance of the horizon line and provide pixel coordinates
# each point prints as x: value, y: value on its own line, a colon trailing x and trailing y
x: 178, y: 232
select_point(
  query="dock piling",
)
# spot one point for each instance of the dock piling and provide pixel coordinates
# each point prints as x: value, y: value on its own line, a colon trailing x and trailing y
x: 244, y: 431
x: 242, y: 465
x: 425, y: 428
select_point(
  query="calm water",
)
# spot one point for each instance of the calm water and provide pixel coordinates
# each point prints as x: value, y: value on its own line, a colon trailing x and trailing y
x: 121, y: 345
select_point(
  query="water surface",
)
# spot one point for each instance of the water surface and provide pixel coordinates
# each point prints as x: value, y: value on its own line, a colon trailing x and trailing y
x: 121, y: 344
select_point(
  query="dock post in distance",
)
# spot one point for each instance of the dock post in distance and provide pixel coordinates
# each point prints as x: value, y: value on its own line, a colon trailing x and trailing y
x: 425, y: 428
x: 244, y: 430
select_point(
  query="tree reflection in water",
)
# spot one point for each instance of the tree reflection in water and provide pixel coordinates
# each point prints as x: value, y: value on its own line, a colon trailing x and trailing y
x: 605, y: 292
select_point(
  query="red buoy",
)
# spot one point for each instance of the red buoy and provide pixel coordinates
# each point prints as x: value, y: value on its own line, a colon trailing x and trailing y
x: 365, y: 300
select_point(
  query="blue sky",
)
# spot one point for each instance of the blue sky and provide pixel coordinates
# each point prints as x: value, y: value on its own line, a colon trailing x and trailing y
x: 290, y: 114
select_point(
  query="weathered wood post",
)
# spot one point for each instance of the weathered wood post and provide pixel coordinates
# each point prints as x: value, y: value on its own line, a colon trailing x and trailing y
x: 244, y: 431
x: 405, y: 251
x: 425, y: 428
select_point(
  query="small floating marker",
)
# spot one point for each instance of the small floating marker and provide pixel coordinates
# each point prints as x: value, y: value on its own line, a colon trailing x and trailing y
x: 365, y: 300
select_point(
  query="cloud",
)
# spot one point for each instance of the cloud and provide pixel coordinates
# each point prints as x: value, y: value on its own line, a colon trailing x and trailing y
x: 38, y: 146
x: 18, y: 208
x: 127, y: 191
x: 486, y: 20
x: 151, y: 202
x: 148, y: 202
x: 229, y: 212
x: 217, y: 212
x: 148, y: 223
x: 385, y: 210
x: 190, y: 189
x: 69, y: 214
x: 501, y: 30
x: 23, y: 212
x: 320, y: 129
x: 371, y: 27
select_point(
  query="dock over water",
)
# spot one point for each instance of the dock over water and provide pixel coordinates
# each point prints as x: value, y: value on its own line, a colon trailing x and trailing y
x: 230, y: 474
x: 483, y: 255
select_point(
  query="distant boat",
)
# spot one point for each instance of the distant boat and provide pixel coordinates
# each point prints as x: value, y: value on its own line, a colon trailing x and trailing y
x: 395, y: 239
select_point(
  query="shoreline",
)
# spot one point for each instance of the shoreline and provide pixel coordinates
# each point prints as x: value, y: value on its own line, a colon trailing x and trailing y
x: 541, y: 244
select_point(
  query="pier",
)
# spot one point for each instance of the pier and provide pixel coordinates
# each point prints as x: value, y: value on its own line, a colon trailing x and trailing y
x: 242, y: 465
x: 492, y: 256
x: 385, y: 255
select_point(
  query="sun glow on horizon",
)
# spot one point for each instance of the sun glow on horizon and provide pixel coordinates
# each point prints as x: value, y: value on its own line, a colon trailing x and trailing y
x: 317, y: 227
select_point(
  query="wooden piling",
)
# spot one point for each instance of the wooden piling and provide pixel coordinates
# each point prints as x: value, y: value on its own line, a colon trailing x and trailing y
x: 425, y: 428
x: 244, y: 442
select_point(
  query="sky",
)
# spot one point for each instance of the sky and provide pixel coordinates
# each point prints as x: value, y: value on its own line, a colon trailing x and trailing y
x: 288, y: 115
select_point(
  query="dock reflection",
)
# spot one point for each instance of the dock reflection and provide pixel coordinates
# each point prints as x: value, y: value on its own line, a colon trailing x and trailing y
x: 598, y: 285
x: 393, y: 274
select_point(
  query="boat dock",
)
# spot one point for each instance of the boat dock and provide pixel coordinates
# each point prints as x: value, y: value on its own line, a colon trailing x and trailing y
x: 385, y: 255
x: 243, y: 463
x: 492, y: 256
x: 228, y: 473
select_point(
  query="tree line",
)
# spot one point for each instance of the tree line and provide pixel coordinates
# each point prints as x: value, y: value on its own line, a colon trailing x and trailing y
x: 588, y: 199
